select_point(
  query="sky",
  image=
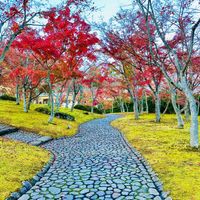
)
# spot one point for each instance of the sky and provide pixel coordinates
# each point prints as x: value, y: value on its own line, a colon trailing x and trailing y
x: 108, y: 8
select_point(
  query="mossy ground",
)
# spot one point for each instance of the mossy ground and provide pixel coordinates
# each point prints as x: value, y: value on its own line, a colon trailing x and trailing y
x: 167, y: 150
x: 13, y: 114
x: 19, y: 162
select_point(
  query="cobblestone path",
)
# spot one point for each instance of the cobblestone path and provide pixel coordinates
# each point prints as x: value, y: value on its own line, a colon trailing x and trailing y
x: 95, y: 164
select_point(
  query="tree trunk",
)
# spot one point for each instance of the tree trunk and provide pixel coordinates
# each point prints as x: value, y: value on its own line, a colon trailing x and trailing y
x: 194, y: 136
x: 135, y: 104
x: 51, y: 99
x: 73, y: 101
x: 58, y: 102
x: 136, y: 111
x: 122, y: 105
x: 141, y: 106
x: 166, y: 108
x: 17, y: 95
x: 176, y: 109
x: 81, y: 95
x: 92, y: 107
x: 157, y: 107
x: 93, y: 98
x: 67, y: 97
x: 24, y: 99
x: 52, y: 107
x: 29, y: 100
x: 146, y: 103
x: 187, y: 111
x: 126, y: 107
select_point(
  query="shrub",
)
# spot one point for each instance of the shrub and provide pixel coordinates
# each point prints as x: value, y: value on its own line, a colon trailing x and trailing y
x: 88, y: 108
x: 7, y: 97
x: 60, y: 115
x: 43, y: 110
x: 66, y: 116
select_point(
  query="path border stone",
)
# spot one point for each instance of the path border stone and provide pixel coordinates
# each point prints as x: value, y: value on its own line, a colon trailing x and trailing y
x: 7, y: 130
x: 157, y: 182
x: 40, y: 141
x: 28, y: 184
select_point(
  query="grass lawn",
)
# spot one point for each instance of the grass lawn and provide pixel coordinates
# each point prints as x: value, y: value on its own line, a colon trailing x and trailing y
x: 37, y: 122
x: 167, y: 150
x: 19, y: 162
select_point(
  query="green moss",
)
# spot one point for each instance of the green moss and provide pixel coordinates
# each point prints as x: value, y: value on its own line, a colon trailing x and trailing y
x: 167, y: 150
x: 37, y: 122
x: 19, y: 162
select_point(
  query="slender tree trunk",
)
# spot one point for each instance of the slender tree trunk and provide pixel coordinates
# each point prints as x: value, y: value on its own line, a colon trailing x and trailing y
x: 73, y: 101
x: 176, y: 109
x: 136, y: 111
x: 157, y: 107
x: 29, y: 100
x: 166, y: 108
x: 122, y: 105
x: 81, y: 95
x: 58, y: 102
x: 135, y: 104
x: 52, y: 107
x: 93, y: 98
x: 24, y: 99
x: 146, y: 103
x: 194, y: 136
x: 187, y: 111
x: 17, y: 95
x: 51, y: 99
x: 67, y: 97
x: 126, y: 107
x: 141, y: 106
x: 92, y: 107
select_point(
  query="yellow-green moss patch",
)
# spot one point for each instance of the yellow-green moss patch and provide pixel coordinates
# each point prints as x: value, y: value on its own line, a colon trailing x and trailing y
x: 37, y: 122
x: 167, y: 150
x: 18, y: 162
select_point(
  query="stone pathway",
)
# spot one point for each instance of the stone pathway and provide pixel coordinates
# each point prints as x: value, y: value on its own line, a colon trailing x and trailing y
x: 95, y: 164
x: 4, y: 129
x: 23, y: 136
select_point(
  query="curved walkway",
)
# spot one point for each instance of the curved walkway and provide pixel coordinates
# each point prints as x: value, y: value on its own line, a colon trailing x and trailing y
x: 97, y: 163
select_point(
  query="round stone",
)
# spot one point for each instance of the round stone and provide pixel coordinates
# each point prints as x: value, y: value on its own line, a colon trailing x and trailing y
x: 84, y: 191
x: 118, y: 181
x: 24, y: 197
x: 157, y: 198
x: 54, y: 190
x: 68, y: 197
x: 115, y: 195
x: 100, y: 193
x: 121, y: 186
x: 153, y: 191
